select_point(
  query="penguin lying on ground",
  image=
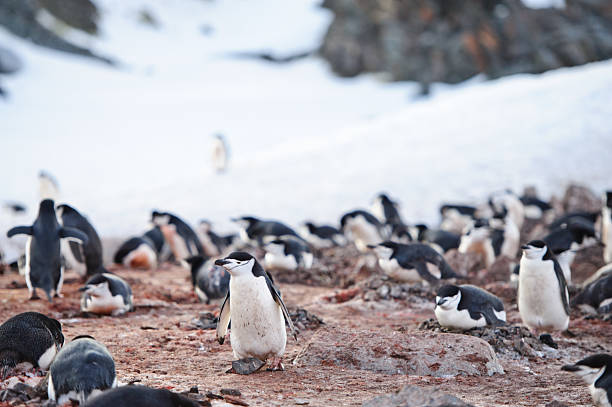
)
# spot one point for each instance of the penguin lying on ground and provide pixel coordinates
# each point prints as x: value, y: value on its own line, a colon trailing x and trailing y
x: 29, y: 337
x: 596, y: 296
x: 256, y: 311
x: 322, y: 236
x: 140, y: 396
x: 362, y: 228
x: 542, y: 291
x: 43, y: 266
x: 596, y: 371
x: 84, y: 259
x: 257, y: 232
x: 408, y: 262
x: 106, y: 293
x: 82, y: 369
x: 287, y: 254
x: 467, y: 306
x: 210, y: 282
x: 143, y: 252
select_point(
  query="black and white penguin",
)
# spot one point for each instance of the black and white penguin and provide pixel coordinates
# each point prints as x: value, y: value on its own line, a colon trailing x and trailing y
x: 143, y: 252
x: 362, y: 228
x: 386, y: 210
x: 439, y: 239
x: 256, y: 310
x: 596, y: 297
x: 596, y: 371
x: 139, y: 396
x: 455, y: 218
x: 220, y: 153
x: 82, y: 369
x: 581, y: 216
x: 106, y: 293
x: 257, y: 232
x: 467, y: 306
x: 84, y: 259
x: 212, y: 243
x: 506, y: 203
x: 535, y: 208
x: 183, y: 241
x: 606, y: 227
x: 43, y: 268
x: 210, y: 282
x: 543, y: 299
x: 483, y: 240
x: 29, y: 337
x: 322, y: 236
x: 287, y: 254
x: 408, y: 262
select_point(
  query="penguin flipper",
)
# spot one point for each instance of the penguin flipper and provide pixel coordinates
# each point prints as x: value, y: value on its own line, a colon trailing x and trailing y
x: 224, y: 319
x: 277, y: 297
x: 67, y: 232
x: 20, y: 230
x: 491, y: 318
x: 421, y: 268
x: 562, y: 286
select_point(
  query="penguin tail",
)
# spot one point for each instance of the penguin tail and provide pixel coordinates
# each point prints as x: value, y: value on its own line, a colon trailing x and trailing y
x: 446, y: 271
x: 8, y: 360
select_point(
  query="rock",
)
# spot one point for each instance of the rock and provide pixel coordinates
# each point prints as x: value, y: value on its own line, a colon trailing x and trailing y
x: 303, y: 319
x: 231, y: 392
x: 206, y: 320
x: 579, y: 198
x: 426, y: 354
x: 301, y: 402
x: 414, y: 396
x: 246, y: 366
x: 555, y: 403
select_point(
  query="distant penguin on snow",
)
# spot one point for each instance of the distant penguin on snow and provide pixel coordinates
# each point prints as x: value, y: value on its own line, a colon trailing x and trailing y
x: 106, y: 293
x: 84, y: 259
x: 596, y: 371
x: 140, y: 396
x: 43, y: 268
x: 210, y: 282
x: 29, y: 337
x: 287, y: 254
x: 542, y: 291
x: 220, y: 154
x: 408, y: 262
x: 82, y: 369
x: 467, y: 306
x: 256, y: 310
x: 362, y: 228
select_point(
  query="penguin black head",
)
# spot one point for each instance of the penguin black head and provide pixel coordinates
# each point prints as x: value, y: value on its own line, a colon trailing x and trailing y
x: 384, y: 198
x: 590, y: 368
x: 196, y: 262
x: 83, y: 337
x: 160, y: 218
x: 311, y: 227
x: 239, y: 263
x: 55, y: 327
x: 536, y: 249
x: 448, y: 296
x: 245, y: 221
x: 608, y: 198
x: 46, y: 206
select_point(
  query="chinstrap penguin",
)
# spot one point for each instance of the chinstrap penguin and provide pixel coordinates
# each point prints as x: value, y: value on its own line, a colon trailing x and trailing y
x: 140, y: 396
x: 257, y: 232
x: 143, y: 252
x: 43, y: 268
x: 106, y: 293
x: 467, y: 306
x: 183, y: 241
x: 542, y: 291
x: 596, y: 372
x: 408, y: 262
x: 322, y: 236
x: 84, y: 259
x: 362, y: 228
x: 287, y: 254
x: 256, y: 310
x: 442, y: 239
x: 596, y: 296
x: 82, y: 369
x: 29, y: 337
x: 387, y: 211
x: 210, y: 282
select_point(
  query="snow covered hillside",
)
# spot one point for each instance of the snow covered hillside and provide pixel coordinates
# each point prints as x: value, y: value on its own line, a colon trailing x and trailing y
x: 304, y: 144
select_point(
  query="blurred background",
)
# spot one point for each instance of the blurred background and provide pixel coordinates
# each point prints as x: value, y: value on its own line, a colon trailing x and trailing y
x: 319, y: 105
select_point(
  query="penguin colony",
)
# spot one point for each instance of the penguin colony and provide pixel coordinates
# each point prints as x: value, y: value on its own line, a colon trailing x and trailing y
x: 237, y: 272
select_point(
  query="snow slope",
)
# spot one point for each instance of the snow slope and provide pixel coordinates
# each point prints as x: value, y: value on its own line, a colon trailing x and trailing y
x: 304, y: 144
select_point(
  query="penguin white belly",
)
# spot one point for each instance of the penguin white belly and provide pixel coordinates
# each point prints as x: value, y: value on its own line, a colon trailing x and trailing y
x: 512, y: 237
x: 539, y: 297
x: 363, y: 233
x: 606, y: 234
x: 258, y: 324
x: 26, y: 268
x: 71, y: 261
x: 565, y: 260
x: 46, y: 358
x: 143, y: 257
x: 501, y: 315
x: 392, y: 268
x: 454, y: 318
x: 104, y: 305
x: 600, y: 397
x: 280, y: 261
x: 307, y: 260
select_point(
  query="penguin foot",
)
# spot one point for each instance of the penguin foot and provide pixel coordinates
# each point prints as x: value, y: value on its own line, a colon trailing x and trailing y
x: 34, y: 296
x: 547, y: 339
x: 276, y: 364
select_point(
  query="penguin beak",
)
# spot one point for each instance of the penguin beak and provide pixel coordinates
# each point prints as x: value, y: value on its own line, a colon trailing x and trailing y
x: 441, y: 301
x: 222, y: 262
x: 372, y: 246
x: 525, y: 247
x: 84, y: 288
x: 570, y: 368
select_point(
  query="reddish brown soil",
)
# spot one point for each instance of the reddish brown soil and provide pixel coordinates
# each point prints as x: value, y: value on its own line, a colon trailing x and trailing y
x: 157, y: 346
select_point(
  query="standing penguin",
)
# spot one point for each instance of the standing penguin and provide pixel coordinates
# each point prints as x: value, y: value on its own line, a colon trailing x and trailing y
x: 596, y: 371
x: 106, y: 293
x: 287, y: 254
x: 82, y: 369
x: 140, y: 396
x: 256, y: 310
x: 180, y: 236
x: 220, y: 154
x: 467, y: 306
x: 43, y: 268
x: 85, y: 259
x: 29, y: 337
x: 542, y: 290
x: 362, y: 228
x: 210, y: 282
x: 408, y: 262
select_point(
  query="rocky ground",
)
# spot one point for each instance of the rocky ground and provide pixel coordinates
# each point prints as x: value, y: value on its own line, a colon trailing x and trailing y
x: 367, y: 338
